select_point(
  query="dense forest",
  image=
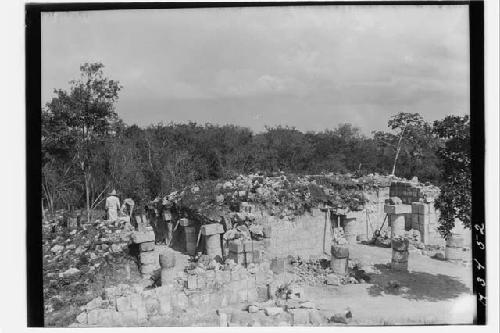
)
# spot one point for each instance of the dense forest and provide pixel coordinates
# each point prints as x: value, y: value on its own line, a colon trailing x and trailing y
x: 87, y: 149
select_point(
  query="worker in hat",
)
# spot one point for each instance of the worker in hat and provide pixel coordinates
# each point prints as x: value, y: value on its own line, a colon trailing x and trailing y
x: 112, y: 206
x: 128, y: 207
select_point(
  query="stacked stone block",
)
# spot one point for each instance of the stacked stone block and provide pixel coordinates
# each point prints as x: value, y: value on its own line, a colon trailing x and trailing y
x: 148, y: 256
x: 245, y: 252
x: 400, y: 254
x: 339, y: 259
x: 191, y: 238
x: 307, y: 236
x: 425, y: 220
x: 212, y: 233
x: 397, y: 218
x: 407, y: 192
x: 167, y: 263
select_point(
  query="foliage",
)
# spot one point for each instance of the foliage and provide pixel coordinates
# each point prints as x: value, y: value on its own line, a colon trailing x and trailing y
x: 413, y: 147
x: 87, y: 149
x: 76, y: 124
x: 455, y: 200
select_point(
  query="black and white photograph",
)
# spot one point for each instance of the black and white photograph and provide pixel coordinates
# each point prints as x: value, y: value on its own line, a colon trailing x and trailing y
x: 258, y: 166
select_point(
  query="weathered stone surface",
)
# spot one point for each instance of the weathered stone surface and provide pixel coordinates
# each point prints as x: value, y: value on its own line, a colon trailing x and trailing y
x: 273, y: 310
x: 100, y: 317
x: 400, y: 244
x: 148, y: 268
x: 278, y: 265
x: 152, y: 258
x: 300, y: 317
x: 339, y: 318
x: 333, y: 279
x: 147, y: 246
x: 139, y: 237
x: 123, y: 303
x: 340, y: 251
x: 94, y: 304
x: 400, y: 256
x: 253, y: 309
x: 397, y: 209
x: 152, y: 306
x: 82, y: 318
x: 129, y: 318
x: 315, y: 317
x: 223, y: 322
x: 56, y: 249
x: 211, y: 229
x: 307, y: 305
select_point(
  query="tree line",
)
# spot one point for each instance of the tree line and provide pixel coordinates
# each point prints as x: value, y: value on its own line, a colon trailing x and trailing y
x: 87, y: 149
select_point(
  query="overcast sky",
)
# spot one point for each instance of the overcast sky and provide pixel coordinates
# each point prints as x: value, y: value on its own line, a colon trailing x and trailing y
x: 311, y: 68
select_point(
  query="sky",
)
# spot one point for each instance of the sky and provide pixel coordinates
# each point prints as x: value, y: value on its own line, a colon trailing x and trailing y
x: 312, y: 68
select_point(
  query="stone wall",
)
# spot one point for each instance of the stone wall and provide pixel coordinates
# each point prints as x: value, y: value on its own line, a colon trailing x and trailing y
x: 200, y: 291
x: 306, y: 236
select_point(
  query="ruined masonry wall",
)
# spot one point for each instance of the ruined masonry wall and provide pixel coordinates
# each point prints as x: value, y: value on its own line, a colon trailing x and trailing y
x: 307, y: 236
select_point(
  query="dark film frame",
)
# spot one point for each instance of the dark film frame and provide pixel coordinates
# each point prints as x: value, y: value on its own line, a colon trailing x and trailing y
x: 35, y: 310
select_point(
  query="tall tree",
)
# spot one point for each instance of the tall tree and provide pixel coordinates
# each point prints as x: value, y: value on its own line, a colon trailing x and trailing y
x: 455, y: 199
x: 403, y: 123
x: 86, y: 115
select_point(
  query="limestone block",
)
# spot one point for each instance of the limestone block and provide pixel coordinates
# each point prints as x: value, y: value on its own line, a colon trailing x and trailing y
x: 101, y: 317
x: 333, y: 279
x: 191, y: 282
x: 152, y: 306
x: 139, y: 237
x: 278, y: 265
x: 314, y: 317
x: 300, y: 317
x: 212, y: 229
x: 146, y: 246
x: 400, y: 244
x: 400, y: 256
x: 123, y: 304
x: 399, y: 266
x: 151, y: 257
x: 129, y: 318
x: 339, y: 251
x: 397, y: 209
x: 236, y: 246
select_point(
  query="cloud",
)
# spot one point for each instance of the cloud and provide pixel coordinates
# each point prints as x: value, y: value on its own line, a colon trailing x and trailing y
x: 347, y: 63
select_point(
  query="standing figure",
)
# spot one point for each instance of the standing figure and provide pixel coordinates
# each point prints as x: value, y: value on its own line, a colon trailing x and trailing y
x: 128, y: 207
x: 112, y: 206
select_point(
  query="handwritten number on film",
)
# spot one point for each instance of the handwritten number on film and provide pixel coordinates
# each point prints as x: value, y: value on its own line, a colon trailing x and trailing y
x: 479, y: 266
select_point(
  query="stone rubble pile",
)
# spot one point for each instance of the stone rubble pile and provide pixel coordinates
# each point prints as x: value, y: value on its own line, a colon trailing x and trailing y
x: 283, y: 196
x: 73, y: 255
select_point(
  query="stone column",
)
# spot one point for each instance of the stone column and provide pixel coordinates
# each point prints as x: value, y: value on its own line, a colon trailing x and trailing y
x: 167, y: 262
x: 339, y: 259
x: 167, y: 217
x: 190, y: 235
x: 212, y: 233
x: 397, y: 215
x: 400, y: 254
x: 148, y: 257
x: 350, y: 228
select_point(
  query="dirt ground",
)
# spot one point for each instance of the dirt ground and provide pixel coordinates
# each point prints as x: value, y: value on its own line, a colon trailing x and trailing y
x: 438, y: 292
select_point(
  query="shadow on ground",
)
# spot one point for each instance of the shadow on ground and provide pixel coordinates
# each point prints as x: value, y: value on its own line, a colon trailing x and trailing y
x: 416, y: 285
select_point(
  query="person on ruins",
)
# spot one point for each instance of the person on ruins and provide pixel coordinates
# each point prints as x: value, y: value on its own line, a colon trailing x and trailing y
x: 128, y: 207
x: 112, y: 206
